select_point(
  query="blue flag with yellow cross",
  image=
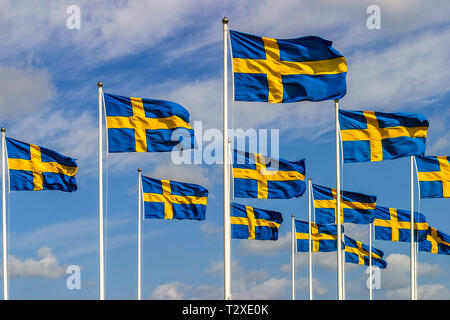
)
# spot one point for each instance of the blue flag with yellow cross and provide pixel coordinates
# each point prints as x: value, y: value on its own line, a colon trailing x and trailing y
x: 146, y: 125
x: 166, y: 199
x: 378, y: 136
x: 359, y: 253
x: 434, y: 176
x: 35, y: 168
x: 253, y: 223
x: 436, y: 242
x: 258, y: 176
x: 355, y: 207
x: 395, y: 225
x: 286, y: 70
x: 323, y: 236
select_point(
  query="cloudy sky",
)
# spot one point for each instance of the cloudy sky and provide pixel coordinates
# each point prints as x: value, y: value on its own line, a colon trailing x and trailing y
x: 173, y: 50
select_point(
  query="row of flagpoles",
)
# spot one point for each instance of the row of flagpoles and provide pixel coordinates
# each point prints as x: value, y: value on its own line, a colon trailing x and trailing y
x: 173, y: 116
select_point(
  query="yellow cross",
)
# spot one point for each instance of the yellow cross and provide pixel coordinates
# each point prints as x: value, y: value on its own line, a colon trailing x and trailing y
x: 275, y: 68
x: 252, y: 222
x: 331, y: 204
x: 315, y: 237
x: 396, y: 225
x: 140, y: 123
x: 38, y: 167
x: 435, y: 240
x: 169, y: 199
x: 374, y: 134
x: 262, y: 175
x: 360, y: 252
x: 442, y: 175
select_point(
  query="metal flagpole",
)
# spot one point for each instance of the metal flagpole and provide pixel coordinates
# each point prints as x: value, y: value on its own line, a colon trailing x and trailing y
x: 226, y: 171
x: 139, y: 286
x: 293, y: 254
x: 309, y: 241
x: 4, y: 227
x: 338, y: 206
x: 100, y: 196
x: 370, y: 262
x: 413, y: 250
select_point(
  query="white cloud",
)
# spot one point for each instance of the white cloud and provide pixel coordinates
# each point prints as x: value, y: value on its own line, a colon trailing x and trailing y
x: 395, y: 280
x: 272, y: 288
x: 23, y: 90
x: 170, y: 291
x: 269, y: 248
x: 46, y: 266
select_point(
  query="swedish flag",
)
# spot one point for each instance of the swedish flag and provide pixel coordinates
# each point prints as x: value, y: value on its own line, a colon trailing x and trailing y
x: 434, y: 176
x: 395, y: 225
x: 253, y: 223
x: 377, y: 136
x: 36, y: 168
x: 286, y: 70
x: 355, y: 207
x: 146, y: 125
x: 165, y: 199
x: 257, y: 176
x: 357, y: 252
x: 437, y: 242
x: 323, y: 237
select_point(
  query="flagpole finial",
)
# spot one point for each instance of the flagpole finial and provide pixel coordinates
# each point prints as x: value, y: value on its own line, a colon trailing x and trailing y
x: 336, y: 100
x: 100, y: 84
x: 3, y: 130
x: 139, y: 170
x: 292, y: 215
x: 225, y: 20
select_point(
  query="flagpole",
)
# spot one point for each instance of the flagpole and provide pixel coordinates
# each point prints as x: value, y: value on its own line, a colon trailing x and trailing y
x: 100, y: 197
x: 370, y: 262
x: 226, y: 171
x: 139, y: 286
x: 4, y: 227
x: 293, y: 254
x: 338, y: 206
x: 412, y: 259
x: 309, y: 241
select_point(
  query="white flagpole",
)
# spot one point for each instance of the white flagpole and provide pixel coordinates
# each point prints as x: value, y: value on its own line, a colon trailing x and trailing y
x: 370, y: 262
x: 100, y: 196
x: 4, y: 230
x: 413, y: 250
x: 309, y: 241
x: 293, y: 254
x: 139, y: 286
x: 226, y: 171
x: 338, y: 206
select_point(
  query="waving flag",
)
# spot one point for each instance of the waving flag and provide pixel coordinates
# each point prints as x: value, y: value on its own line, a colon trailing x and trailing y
x: 278, y: 71
x: 355, y: 207
x: 146, y: 125
x: 257, y: 176
x: 323, y: 237
x: 436, y: 242
x: 36, y: 168
x: 252, y: 223
x: 395, y: 225
x: 164, y: 199
x: 378, y: 136
x: 434, y: 176
x: 357, y: 252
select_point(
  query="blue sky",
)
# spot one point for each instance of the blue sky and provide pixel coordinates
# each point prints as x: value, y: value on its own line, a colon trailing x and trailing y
x: 172, y: 50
